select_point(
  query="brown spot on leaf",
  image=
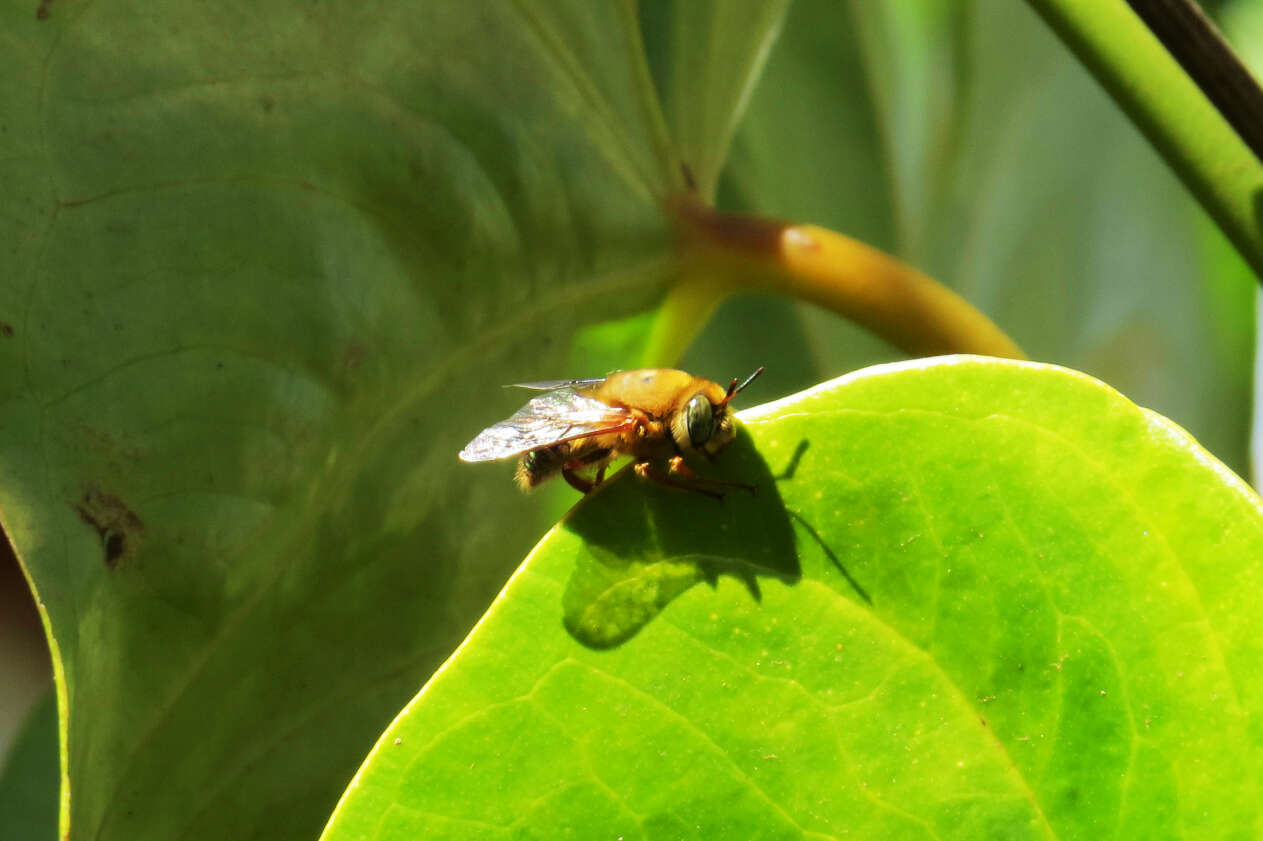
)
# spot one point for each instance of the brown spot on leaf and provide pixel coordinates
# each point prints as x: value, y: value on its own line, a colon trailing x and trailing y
x: 686, y: 172
x: 109, y: 445
x: 117, y: 525
x: 353, y: 355
x: 45, y: 9
x: 6, y: 329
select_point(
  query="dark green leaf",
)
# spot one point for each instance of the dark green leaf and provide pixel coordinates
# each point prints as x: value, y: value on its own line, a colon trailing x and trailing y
x: 266, y: 267
x: 709, y: 55
x: 28, y: 778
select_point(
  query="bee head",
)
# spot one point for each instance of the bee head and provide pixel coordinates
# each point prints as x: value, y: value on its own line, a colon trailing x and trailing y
x: 701, y: 423
x: 705, y: 423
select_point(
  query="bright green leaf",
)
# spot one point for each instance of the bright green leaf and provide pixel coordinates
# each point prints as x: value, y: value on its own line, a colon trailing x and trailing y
x: 1014, y: 605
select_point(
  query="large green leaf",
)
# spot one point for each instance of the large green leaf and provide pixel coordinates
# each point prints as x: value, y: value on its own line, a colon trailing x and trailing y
x: 964, y: 137
x: 709, y: 55
x: 1009, y: 604
x: 266, y: 267
x: 28, y: 777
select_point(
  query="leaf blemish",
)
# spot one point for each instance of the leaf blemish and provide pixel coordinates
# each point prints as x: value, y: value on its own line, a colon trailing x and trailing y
x: 44, y: 10
x: 115, y: 523
x: 353, y: 356
x: 6, y: 329
x: 690, y: 182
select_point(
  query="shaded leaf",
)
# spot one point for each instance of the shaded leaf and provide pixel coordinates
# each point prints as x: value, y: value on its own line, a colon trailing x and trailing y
x: 28, y: 777
x: 709, y: 55
x: 266, y: 268
x: 636, y: 552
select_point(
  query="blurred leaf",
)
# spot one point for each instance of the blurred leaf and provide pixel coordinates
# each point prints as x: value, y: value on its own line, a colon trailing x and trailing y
x: 708, y: 55
x: 1015, y: 605
x: 964, y: 138
x: 28, y: 778
x: 266, y: 269
x: 1146, y: 58
x: 1241, y: 22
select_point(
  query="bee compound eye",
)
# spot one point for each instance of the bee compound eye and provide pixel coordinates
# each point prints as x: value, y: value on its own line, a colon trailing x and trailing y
x: 697, y: 419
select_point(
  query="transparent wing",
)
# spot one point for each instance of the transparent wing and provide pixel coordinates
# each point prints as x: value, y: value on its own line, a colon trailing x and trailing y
x: 550, y: 385
x: 559, y: 415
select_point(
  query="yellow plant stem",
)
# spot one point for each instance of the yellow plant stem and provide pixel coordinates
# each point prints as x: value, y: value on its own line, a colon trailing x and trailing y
x: 909, y: 309
x: 690, y: 303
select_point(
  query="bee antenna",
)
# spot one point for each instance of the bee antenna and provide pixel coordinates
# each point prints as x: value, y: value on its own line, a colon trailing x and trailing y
x: 734, y: 389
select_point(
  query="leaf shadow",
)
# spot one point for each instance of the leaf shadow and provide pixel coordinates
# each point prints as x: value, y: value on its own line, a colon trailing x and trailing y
x: 832, y: 556
x: 787, y: 475
x: 647, y: 545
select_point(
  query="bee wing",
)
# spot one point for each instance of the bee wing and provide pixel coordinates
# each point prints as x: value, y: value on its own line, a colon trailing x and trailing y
x: 551, y: 385
x: 562, y: 414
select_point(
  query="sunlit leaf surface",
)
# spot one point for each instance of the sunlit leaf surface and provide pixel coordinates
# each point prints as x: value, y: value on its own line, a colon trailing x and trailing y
x: 970, y: 599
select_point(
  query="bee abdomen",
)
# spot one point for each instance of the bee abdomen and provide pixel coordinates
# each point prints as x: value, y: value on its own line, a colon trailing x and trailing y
x: 539, y: 465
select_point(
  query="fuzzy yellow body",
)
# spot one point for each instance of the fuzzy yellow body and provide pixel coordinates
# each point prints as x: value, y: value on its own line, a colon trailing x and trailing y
x: 654, y: 415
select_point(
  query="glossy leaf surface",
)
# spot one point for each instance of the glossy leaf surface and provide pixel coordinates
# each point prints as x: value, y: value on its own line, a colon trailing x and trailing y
x: 971, y: 599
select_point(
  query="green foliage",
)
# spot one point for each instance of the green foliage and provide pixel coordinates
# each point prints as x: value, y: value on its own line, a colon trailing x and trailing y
x: 971, y: 599
x: 966, y: 139
x: 28, y: 777
x: 267, y: 265
x: 1181, y: 122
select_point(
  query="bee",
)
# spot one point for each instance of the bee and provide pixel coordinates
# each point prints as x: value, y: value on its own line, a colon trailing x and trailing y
x: 656, y: 416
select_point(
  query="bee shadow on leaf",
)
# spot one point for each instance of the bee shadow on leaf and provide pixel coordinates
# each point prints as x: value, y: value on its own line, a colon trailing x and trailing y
x: 646, y: 544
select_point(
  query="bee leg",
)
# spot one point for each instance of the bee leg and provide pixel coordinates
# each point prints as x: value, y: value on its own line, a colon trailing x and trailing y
x: 677, y: 467
x: 576, y: 481
x: 646, y: 470
x: 570, y: 470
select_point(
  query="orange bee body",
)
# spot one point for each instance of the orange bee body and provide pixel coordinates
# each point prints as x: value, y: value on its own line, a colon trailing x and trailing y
x: 654, y: 415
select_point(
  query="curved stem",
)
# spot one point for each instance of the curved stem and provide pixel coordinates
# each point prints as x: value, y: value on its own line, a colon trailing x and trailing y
x: 902, y: 305
x: 1189, y: 35
x: 689, y: 305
